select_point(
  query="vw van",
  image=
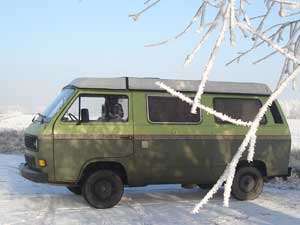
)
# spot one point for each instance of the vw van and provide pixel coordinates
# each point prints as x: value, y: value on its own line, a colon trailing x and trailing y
x: 103, y: 134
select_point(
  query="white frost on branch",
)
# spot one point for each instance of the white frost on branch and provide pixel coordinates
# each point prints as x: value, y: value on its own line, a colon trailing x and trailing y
x: 199, y: 14
x: 211, y: 192
x: 252, y: 131
x: 228, y: 174
x: 209, y: 110
x: 239, y: 18
x: 211, y: 62
x: 232, y: 22
x: 136, y: 16
x: 251, y: 149
x: 189, y: 58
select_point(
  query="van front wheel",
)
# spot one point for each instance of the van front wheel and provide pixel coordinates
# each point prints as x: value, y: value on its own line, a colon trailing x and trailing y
x: 103, y: 189
x: 247, y: 184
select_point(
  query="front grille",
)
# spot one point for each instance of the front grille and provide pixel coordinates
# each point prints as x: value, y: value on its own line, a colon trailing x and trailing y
x: 30, y: 161
x: 31, y: 142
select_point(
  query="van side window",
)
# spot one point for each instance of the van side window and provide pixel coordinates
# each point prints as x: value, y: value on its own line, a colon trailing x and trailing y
x: 163, y: 109
x: 98, y: 108
x: 275, y: 113
x: 238, y: 108
x: 73, y: 110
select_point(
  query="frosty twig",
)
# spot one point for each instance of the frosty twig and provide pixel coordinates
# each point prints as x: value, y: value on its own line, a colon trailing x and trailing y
x: 188, y: 100
x: 236, y: 16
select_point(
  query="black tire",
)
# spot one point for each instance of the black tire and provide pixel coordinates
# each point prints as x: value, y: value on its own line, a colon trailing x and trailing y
x: 75, y: 189
x: 205, y: 186
x: 103, y: 189
x: 247, y: 184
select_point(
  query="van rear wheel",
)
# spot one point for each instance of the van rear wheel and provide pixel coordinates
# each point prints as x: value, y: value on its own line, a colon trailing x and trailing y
x: 247, y: 184
x: 103, y: 189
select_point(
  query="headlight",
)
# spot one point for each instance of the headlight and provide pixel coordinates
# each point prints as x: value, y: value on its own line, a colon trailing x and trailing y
x: 35, y: 144
x: 31, y: 142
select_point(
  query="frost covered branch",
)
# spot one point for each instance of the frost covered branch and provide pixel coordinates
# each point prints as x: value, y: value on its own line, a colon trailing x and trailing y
x: 250, y: 137
x: 136, y: 16
x: 199, y: 15
x: 233, y: 16
x: 211, y: 111
x: 211, y: 61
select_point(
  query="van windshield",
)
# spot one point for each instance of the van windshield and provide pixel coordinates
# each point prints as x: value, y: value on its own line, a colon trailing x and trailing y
x: 55, y: 106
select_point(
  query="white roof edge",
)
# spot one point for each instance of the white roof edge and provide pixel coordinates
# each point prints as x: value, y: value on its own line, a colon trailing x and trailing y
x: 134, y: 83
x: 99, y: 83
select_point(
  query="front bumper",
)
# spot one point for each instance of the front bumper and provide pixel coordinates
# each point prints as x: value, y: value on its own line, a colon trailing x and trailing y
x: 32, y: 175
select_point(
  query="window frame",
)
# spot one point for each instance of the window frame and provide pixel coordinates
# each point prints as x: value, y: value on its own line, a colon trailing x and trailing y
x: 171, y: 123
x: 95, y: 95
x: 238, y: 98
x: 274, y: 109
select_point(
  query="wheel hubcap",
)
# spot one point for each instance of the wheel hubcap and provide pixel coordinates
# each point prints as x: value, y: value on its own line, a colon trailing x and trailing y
x: 247, y: 183
x: 103, y: 189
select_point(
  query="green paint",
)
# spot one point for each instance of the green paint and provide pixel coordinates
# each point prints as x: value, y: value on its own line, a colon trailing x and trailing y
x: 193, y: 153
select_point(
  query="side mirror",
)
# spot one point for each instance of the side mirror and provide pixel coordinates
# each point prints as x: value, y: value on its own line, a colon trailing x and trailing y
x: 85, y: 116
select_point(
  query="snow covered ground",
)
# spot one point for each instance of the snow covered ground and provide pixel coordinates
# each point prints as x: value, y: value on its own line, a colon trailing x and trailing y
x: 23, y: 202
x: 14, y: 120
x: 294, y: 125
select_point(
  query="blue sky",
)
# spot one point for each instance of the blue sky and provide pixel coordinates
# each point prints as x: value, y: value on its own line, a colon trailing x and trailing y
x: 45, y: 44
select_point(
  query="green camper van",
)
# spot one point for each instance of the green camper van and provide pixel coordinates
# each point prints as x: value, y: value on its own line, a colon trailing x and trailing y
x: 102, y: 134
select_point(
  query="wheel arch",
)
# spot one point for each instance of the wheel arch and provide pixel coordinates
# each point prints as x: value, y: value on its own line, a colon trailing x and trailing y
x: 93, y: 166
x: 258, y: 164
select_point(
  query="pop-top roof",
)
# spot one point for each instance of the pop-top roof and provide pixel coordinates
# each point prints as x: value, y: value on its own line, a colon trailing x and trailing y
x: 148, y: 84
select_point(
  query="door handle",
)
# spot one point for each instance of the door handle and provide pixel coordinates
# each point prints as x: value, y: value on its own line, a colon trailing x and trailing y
x: 174, y: 132
x: 129, y: 137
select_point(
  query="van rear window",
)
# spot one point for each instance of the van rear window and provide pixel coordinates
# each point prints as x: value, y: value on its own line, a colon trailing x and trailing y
x: 163, y: 109
x: 238, y: 108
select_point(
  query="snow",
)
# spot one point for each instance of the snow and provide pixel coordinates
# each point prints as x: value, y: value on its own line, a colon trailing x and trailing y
x: 14, y: 120
x: 294, y: 125
x: 24, y: 202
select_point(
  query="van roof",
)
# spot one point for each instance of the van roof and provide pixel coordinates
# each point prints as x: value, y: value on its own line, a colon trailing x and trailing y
x: 148, y: 84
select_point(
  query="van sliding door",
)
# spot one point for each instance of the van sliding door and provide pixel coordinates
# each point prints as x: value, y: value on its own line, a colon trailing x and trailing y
x: 169, y: 145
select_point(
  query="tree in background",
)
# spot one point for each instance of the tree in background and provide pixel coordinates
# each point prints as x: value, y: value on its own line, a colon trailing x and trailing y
x: 231, y: 17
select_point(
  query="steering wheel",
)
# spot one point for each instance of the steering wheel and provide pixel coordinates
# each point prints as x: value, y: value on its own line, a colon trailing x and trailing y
x: 72, y: 117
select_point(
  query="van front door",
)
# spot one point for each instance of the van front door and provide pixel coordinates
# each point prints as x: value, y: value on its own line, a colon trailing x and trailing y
x: 93, y: 127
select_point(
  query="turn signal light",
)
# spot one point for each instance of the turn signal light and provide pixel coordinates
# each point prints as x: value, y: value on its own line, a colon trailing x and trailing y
x: 42, y: 163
